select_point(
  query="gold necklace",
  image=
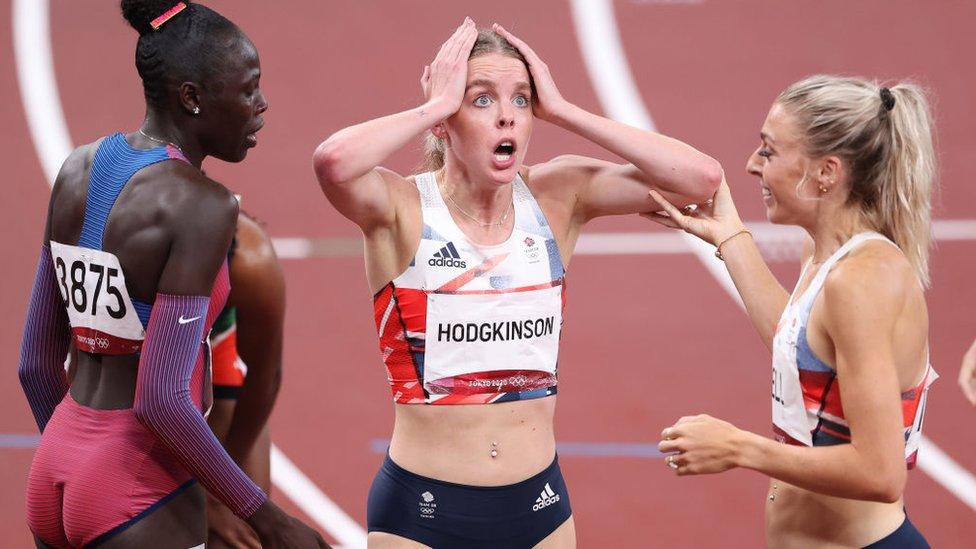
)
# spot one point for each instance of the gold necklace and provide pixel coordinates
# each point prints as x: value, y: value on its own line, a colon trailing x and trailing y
x: 157, y: 140
x: 501, y: 221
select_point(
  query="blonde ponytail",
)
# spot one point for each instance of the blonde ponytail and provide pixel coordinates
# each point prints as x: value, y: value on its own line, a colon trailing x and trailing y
x: 884, y: 136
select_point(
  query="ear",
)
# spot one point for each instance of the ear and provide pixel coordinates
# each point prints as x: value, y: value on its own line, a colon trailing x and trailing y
x: 190, y: 97
x: 440, y: 132
x: 831, y: 174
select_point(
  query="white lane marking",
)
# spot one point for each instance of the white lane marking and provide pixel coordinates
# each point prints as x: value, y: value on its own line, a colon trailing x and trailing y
x: 606, y: 63
x: 52, y: 143
x: 777, y: 242
x: 300, y: 489
x: 38, y: 86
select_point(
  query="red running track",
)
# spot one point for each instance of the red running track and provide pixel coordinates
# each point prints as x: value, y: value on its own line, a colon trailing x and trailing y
x: 664, y: 341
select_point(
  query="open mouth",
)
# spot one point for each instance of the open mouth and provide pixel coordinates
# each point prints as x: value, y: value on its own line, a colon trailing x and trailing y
x: 504, y: 151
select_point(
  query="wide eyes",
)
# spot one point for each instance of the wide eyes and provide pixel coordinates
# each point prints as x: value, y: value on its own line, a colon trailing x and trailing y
x: 485, y: 100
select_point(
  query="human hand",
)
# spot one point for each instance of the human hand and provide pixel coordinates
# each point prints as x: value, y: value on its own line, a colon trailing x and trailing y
x: 224, y: 529
x: 445, y: 79
x: 700, y: 445
x: 548, y: 103
x: 714, y: 221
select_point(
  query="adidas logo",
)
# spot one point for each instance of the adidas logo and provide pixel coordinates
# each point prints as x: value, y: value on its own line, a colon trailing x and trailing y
x: 448, y: 256
x: 545, y: 499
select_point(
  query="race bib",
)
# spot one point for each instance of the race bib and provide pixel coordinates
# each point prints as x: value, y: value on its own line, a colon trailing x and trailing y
x: 789, y: 411
x: 471, y: 333
x: 92, y: 285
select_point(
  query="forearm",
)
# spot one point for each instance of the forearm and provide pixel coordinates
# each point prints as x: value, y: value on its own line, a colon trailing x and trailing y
x: 257, y: 465
x: 352, y: 152
x: 667, y: 164
x: 839, y: 471
x: 164, y: 406
x: 253, y: 408
x: 45, y: 344
x: 763, y: 296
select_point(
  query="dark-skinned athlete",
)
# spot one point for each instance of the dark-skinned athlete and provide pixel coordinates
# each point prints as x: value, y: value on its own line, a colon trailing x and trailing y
x: 133, y: 271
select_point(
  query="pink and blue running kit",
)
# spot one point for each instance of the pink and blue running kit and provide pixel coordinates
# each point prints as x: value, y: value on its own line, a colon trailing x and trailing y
x: 97, y: 472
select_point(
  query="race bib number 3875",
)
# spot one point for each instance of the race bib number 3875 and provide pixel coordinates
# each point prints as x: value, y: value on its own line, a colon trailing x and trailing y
x: 92, y: 286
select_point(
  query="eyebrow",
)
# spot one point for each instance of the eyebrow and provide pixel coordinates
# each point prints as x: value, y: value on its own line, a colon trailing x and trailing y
x: 523, y: 85
x: 481, y: 82
x: 767, y: 137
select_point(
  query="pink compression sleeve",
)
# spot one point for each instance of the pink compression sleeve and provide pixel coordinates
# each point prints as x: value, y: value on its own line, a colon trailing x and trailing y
x: 163, y: 404
x: 44, y: 347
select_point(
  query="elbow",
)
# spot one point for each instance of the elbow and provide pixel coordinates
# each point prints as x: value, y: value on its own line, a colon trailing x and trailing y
x: 710, y: 178
x: 888, y: 487
x: 153, y: 412
x: 328, y: 162
x: 24, y: 373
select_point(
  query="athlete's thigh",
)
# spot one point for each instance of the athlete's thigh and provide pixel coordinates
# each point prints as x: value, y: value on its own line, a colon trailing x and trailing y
x: 563, y: 537
x: 382, y: 540
x: 179, y: 523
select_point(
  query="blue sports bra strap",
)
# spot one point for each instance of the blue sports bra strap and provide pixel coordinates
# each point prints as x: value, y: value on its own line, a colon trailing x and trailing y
x: 115, y: 163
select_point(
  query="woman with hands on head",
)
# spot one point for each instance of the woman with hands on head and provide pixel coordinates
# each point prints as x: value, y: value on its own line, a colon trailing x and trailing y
x: 851, y: 163
x: 467, y: 262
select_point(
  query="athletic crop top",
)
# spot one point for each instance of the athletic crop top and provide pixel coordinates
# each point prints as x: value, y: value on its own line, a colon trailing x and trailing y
x: 806, y: 392
x: 472, y: 324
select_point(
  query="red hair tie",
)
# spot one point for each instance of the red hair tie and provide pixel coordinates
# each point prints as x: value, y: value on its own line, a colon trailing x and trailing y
x: 169, y: 14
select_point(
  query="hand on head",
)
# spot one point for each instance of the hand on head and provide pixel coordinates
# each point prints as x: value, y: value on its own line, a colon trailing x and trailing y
x: 445, y: 78
x: 548, y: 103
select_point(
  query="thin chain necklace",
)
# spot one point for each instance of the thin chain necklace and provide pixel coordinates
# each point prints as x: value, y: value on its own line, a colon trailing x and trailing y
x: 157, y: 140
x: 501, y: 220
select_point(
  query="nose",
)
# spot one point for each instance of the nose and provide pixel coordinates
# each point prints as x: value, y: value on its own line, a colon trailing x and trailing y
x: 506, y: 117
x: 262, y: 104
x: 754, y: 164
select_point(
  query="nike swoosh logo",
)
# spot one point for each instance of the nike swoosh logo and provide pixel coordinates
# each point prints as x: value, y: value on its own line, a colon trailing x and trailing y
x: 182, y: 320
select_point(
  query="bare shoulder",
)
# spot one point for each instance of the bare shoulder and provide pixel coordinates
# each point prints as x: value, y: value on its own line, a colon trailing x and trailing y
x: 254, y: 246
x: 190, y: 200
x: 400, y: 186
x: 70, y: 177
x: 875, y: 278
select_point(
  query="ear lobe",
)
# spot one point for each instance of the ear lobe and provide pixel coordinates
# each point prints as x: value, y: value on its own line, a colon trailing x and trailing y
x: 831, y: 172
x: 439, y: 131
x: 190, y: 97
